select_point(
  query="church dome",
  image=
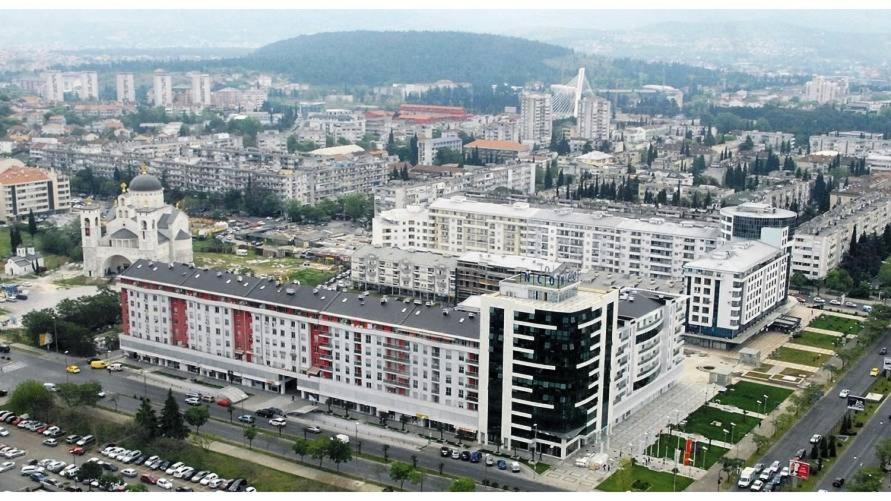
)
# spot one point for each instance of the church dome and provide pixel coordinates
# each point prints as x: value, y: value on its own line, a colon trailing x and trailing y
x: 145, y: 182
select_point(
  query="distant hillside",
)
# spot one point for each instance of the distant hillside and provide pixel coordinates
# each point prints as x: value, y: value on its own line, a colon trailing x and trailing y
x: 381, y: 57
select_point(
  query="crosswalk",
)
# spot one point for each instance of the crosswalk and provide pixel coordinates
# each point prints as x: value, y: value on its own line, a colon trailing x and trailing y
x: 12, y: 366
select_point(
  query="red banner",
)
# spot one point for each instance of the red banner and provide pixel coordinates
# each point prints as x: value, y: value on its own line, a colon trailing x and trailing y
x: 800, y: 469
x: 688, y: 451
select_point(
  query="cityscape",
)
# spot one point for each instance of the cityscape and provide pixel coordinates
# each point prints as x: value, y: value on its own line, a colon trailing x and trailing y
x: 406, y: 250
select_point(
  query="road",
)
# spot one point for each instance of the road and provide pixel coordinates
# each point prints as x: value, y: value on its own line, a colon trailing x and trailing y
x: 50, y: 368
x: 861, y: 451
x: 828, y: 411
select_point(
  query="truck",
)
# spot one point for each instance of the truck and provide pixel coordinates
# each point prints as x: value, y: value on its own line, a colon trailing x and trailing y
x: 746, y: 477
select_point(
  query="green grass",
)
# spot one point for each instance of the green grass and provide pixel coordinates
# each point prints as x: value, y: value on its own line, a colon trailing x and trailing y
x: 817, y: 340
x: 834, y: 323
x: 667, y: 444
x: 702, y: 419
x: 77, y: 281
x: 310, y: 276
x: 746, y: 395
x: 264, y: 479
x: 646, y: 481
x: 279, y: 267
x: 802, y: 357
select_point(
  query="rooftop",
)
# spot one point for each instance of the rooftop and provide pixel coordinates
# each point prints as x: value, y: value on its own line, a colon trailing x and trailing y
x: 337, y: 150
x: 485, y: 144
x: 736, y: 257
x: 13, y: 173
x: 510, y: 261
x: 431, y: 259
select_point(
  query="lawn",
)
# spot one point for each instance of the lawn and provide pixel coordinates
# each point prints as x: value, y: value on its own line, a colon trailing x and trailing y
x: 310, y: 276
x: 746, y: 395
x: 644, y: 480
x: 276, y: 267
x: 802, y: 357
x: 78, y: 281
x: 667, y: 444
x: 817, y: 340
x: 264, y: 479
x: 834, y: 323
x: 711, y: 423
x: 5, y: 249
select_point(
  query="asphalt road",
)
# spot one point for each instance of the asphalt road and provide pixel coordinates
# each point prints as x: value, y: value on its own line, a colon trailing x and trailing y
x: 828, y: 411
x: 50, y: 368
x: 860, y: 452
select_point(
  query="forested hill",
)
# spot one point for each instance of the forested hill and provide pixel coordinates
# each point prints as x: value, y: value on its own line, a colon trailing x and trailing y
x: 382, y: 57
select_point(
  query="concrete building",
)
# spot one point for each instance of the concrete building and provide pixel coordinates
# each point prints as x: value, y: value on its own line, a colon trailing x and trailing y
x: 53, y: 87
x: 27, y: 189
x: 745, y: 221
x: 200, y: 89
x: 820, y: 244
x: 734, y: 288
x: 338, y: 123
x: 478, y: 273
x: 824, y: 90
x: 428, y: 147
x: 142, y: 227
x: 879, y: 161
x: 404, y: 273
x: 125, y: 87
x: 594, y: 118
x: 89, y: 86
x: 850, y: 143
x: 26, y: 261
x: 587, y: 240
x: 162, y: 88
x: 496, y: 151
x: 535, y: 118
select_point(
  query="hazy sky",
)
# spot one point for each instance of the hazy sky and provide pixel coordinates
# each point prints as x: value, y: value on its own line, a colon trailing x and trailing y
x: 144, y: 29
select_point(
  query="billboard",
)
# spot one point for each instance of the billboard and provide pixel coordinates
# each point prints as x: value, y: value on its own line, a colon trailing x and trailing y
x: 856, y: 403
x: 799, y: 469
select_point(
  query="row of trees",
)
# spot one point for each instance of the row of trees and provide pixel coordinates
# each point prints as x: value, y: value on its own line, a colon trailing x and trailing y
x: 864, y: 259
x: 75, y: 322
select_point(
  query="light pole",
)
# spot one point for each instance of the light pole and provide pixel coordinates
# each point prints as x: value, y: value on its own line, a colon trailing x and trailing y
x: 732, y: 429
x: 66, y: 365
x: 726, y: 432
x: 760, y: 406
x: 703, y: 450
x: 534, y: 440
x: 765, y: 403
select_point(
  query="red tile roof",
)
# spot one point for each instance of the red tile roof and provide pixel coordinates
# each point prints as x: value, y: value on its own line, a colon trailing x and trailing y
x: 485, y: 144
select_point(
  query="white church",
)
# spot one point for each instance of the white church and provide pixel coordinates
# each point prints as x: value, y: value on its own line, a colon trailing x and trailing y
x: 142, y: 227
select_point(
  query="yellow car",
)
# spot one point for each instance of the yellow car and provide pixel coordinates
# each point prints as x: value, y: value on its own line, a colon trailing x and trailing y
x: 874, y: 372
x: 72, y: 369
x: 98, y: 364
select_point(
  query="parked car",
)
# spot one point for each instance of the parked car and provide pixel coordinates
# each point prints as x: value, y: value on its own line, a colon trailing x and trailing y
x: 844, y: 393
x: 128, y: 472
x: 148, y: 478
x: 278, y: 422
x: 465, y: 455
x: 502, y: 464
x: 72, y: 439
x: 76, y: 451
x: 515, y: 467
x: 50, y: 442
x: 838, y: 482
x: 224, y: 402
x: 246, y: 418
x: 757, y: 485
x: 445, y: 452
x: 456, y: 454
x: 800, y: 454
x: 883, y: 351
x: 193, y: 401
x: 815, y: 439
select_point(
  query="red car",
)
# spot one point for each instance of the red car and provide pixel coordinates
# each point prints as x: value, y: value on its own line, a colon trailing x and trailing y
x: 148, y: 478
x: 224, y: 402
x: 41, y: 429
x: 76, y: 451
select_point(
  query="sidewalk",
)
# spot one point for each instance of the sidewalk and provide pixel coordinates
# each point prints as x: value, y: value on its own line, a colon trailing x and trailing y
x: 292, y: 468
x: 824, y: 331
x: 735, y: 410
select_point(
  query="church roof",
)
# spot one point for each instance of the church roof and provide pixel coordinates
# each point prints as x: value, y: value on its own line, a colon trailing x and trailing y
x: 162, y: 238
x: 167, y: 218
x: 145, y: 182
x: 123, y: 233
x: 182, y: 235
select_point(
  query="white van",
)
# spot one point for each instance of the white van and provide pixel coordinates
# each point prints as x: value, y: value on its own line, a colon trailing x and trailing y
x: 746, y: 478
x: 50, y: 386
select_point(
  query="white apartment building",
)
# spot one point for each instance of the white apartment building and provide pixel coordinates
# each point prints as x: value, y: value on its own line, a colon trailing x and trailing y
x: 851, y: 143
x: 536, y: 121
x: 820, y: 244
x: 27, y: 189
x: 200, y: 89
x: 162, y: 88
x: 594, y: 118
x: 53, y: 86
x: 879, y: 161
x: 125, y: 87
x: 338, y: 123
x: 401, y: 194
x: 588, y: 240
x: 428, y: 147
x: 89, y: 86
x: 825, y: 90
x: 745, y: 221
x: 735, y: 287
x: 404, y: 273
x: 647, y: 355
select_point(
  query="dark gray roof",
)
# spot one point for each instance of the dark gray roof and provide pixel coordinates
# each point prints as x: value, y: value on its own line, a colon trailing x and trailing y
x: 144, y: 182
x: 183, y: 235
x: 456, y: 323
x: 124, y: 233
x: 162, y: 238
x: 642, y: 304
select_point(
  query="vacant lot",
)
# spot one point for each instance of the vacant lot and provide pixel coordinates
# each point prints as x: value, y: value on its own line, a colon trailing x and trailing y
x: 750, y: 396
x: 816, y: 340
x: 802, y: 357
x: 284, y: 268
x: 644, y: 480
x: 834, y: 323
x: 711, y: 423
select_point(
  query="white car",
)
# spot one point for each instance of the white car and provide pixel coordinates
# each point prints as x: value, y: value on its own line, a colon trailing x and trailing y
x: 6, y: 466
x: 51, y: 430
x: 775, y: 467
x: 844, y: 393
x: 193, y: 401
x: 278, y: 421
x: 784, y: 472
x: 128, y: 472
x: 815, y: 439
x: 819, y: 300
x: 14, y: 453
x: 4, y: 432
x: 183, y: 472
x: 174, y: 467
x: 67, y: 470
x: 209, y: 478
x: 27, y: 470
x: 164, y: 484
x: 757, y: 485
x: 835, y: 302
x: 213, y: 484
x: 515, y: 467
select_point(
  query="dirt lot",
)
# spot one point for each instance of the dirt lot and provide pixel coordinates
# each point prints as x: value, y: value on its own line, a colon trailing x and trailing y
x: 12, y: 480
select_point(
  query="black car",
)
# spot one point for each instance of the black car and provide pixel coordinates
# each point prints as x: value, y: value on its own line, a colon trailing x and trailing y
x: 265, y: 413
x: 237, y: 485
x: 445, y: 452
x: 141, y: 459
x: 109, y: 467
x: 465, y: 456
x: 883, y: 351
x: 838, y: 482
x: 184, y: 489
x: 801, y: 454
x: 72, y: 439
x: 4, y: 348
x: 189, y: 475
x: 164, y: 465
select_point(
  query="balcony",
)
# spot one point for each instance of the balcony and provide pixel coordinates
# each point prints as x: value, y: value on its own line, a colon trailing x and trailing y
x: 400, y: 347
x: 399, y: 384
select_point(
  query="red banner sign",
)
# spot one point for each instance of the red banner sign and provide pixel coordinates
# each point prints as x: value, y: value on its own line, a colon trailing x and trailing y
x: 688, y: 451
x: 800, y: 469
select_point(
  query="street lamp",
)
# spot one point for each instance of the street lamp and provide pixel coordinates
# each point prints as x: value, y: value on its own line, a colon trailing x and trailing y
x: 765, y: 403
x: 760, y: 406
x: 732, y: 429
x: 66, y: 366
x: 726, y: 432
x: 534, y: 440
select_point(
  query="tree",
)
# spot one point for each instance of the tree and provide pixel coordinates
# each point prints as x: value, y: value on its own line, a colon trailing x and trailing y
x: 400, y: 472
x: 147, y: 420
x: 75, y: 395
x: 548, y: 178
x: 30, y: 397
x: 832, y: 446
x: 300, y: 447
x: 137, y: 488
x: 318, y: 449
x: 838, y: 280
x: 15, y: 238
x: 883, y: 451
x: 172, y: 423
x: 92, y: 471
x: 761, y: 441
x: 866, y: 480
x: 250, y: 434
x: 339, y: 452
x: 32, y: 223
x: 417, y: 478
x: 462, y: 484
x: 197, y: 416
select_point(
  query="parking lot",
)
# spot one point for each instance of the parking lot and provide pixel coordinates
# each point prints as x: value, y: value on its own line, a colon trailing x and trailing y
x: 13, y: 480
